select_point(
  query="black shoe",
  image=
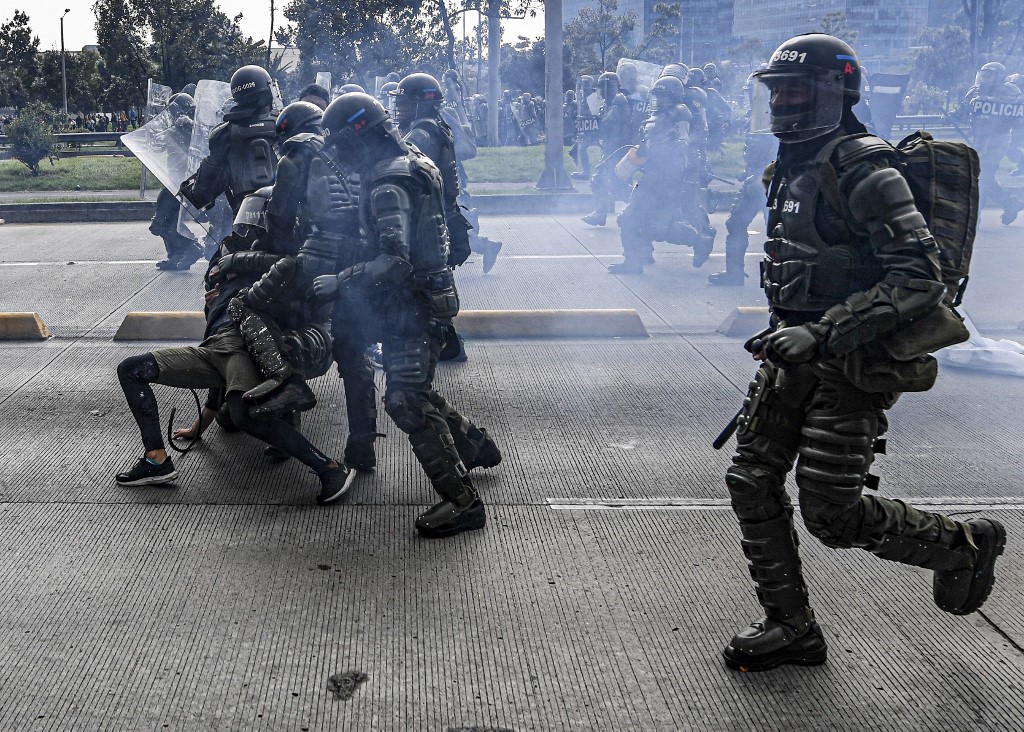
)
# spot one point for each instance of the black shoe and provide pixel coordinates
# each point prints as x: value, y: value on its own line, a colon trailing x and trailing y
x: 577, y: 175
x: 768, y: 643
x: 487, y: 456
x: 727, y: 279
x: 334, y: 484
x: 146, y: 473
x: 167, y: 264
x: 293, y: 396
x: 594, y: 219
x: 626, y: 268
x: 490, y: 253
x: 454, y: 350
x: 192, y: 254
x: 962, y: 591
x: 447, y: 519
x: 360, y: 453
x: 702, y: 251
x: 1010, y: 213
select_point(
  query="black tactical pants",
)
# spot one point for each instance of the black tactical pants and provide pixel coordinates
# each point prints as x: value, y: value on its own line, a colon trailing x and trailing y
x: 605, y: 186
x: 749, y: 202
x: 440, y: 436
x: 830, y: 428
x: 165, y: 225
x: 653, y: 214
x: 991, y: 190
x: 349, y: 333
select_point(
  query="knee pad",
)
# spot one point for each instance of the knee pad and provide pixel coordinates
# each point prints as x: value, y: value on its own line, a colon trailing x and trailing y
x: 835, y: 524
x: 138, y: 369
x: 405, y: 409
x: 756, y: 496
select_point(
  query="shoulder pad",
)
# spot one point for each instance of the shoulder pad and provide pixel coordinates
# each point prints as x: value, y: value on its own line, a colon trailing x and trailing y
x: 295, y: 142
x: 696, y: 94
x: 219, y: 130
x: 852, y: 150
x: 392, y: 166
x: 425, y: 123
x: 620, y: 98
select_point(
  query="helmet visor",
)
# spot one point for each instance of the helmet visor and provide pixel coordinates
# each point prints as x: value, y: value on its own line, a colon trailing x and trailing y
x: 796, y: 105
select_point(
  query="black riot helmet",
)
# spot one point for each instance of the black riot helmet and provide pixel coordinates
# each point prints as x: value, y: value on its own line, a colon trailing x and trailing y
x: 357, y: 125
x: 349, y: 88
x: 679, y: 70
x: 989, y: 77
x: 298, y: 117
x: 608, y: 84
x: 802, y: 94
x: 667, y: 92
x: 696, y: 77
x: 417, y: 96
x: 251, y: 90
x: 251, y: 220
x: 181, y: 104
x: 384, y: 95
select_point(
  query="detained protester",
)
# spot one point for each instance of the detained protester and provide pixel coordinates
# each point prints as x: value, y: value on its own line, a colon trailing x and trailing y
x: 410, y: 292
x: 859, y: 299
x: 222, y: 364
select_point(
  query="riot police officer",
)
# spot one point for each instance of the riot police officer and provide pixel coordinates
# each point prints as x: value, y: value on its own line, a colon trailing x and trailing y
x: 405, y: 278
x: 993, y: 104
x: 183, y: 249
x: 850, y: 280
x: 242, y: 157
x: 615, y: 136
x: 654, y: 211
x: 758, y: 152
x: 585, y: 124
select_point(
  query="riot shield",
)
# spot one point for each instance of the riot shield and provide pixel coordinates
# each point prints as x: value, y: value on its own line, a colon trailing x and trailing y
x: 323, y: 78
x: 646, y: 72
x: 156, y: 98
x: 886, y: 100
x: 213, y: 100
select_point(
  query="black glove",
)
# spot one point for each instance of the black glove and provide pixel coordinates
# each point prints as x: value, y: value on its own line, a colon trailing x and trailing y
x: 798, y: 344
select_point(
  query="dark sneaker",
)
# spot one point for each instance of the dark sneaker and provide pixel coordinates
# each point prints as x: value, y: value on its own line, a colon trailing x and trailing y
x: 487, y: 456
x: 293, y: 396
x: 626, y: 268
x: 767, y: 643
x: 447, y: 519
x: 334, y: 484
x: 146, y: 473
x: 962, y: 591
x: 167, y: 264
x: 727, y: 279
x: 594, y: 219
x: 491, y: 249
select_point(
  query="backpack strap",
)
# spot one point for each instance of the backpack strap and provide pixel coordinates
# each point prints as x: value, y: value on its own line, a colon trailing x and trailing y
x: 840, y: 154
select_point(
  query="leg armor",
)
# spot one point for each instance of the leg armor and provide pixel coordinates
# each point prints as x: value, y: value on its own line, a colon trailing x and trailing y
x: 262, y: 338
x: 836, y: 453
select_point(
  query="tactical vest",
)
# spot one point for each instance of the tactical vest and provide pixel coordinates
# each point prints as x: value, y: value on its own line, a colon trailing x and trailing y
x: 252, y: 162
x: 814, y: 260
x: 442, y: 140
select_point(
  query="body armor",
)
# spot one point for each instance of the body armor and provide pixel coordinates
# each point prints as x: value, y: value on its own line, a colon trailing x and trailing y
x: 815, y: 259
x: 251, y: 158
x: 615, y: 125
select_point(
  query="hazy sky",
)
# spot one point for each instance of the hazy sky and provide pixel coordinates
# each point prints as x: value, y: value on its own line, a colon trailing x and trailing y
x: 44, y: 18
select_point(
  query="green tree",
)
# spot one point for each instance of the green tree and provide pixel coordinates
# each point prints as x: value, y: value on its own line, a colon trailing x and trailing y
x: 836, y: 24
x: 120, y: 33
x: 597, y: 37
x: 942, y: 57
x: 18, y: 66
x: 85, y: 81
x: 750, y: 52
x: 661, y: 44
x: 522, y: 66
x: 31, y: 135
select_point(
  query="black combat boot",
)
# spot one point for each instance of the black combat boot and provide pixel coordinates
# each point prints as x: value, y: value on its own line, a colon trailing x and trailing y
x: 487, y: 454
x: 963, y: 591
x: 490, y: 251
x: 787, y: 634
x: 191, y: 254
x: 595, y: 218
x: 462, y: 510
x: 626, y: 267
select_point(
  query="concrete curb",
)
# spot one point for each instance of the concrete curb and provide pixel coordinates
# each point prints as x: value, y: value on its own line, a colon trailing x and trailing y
x: 170, y: 326
x: 744, y: 321
x: 22, y: 327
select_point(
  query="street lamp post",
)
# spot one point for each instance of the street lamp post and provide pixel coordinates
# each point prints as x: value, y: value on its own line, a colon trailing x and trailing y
x: 63, y: 70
